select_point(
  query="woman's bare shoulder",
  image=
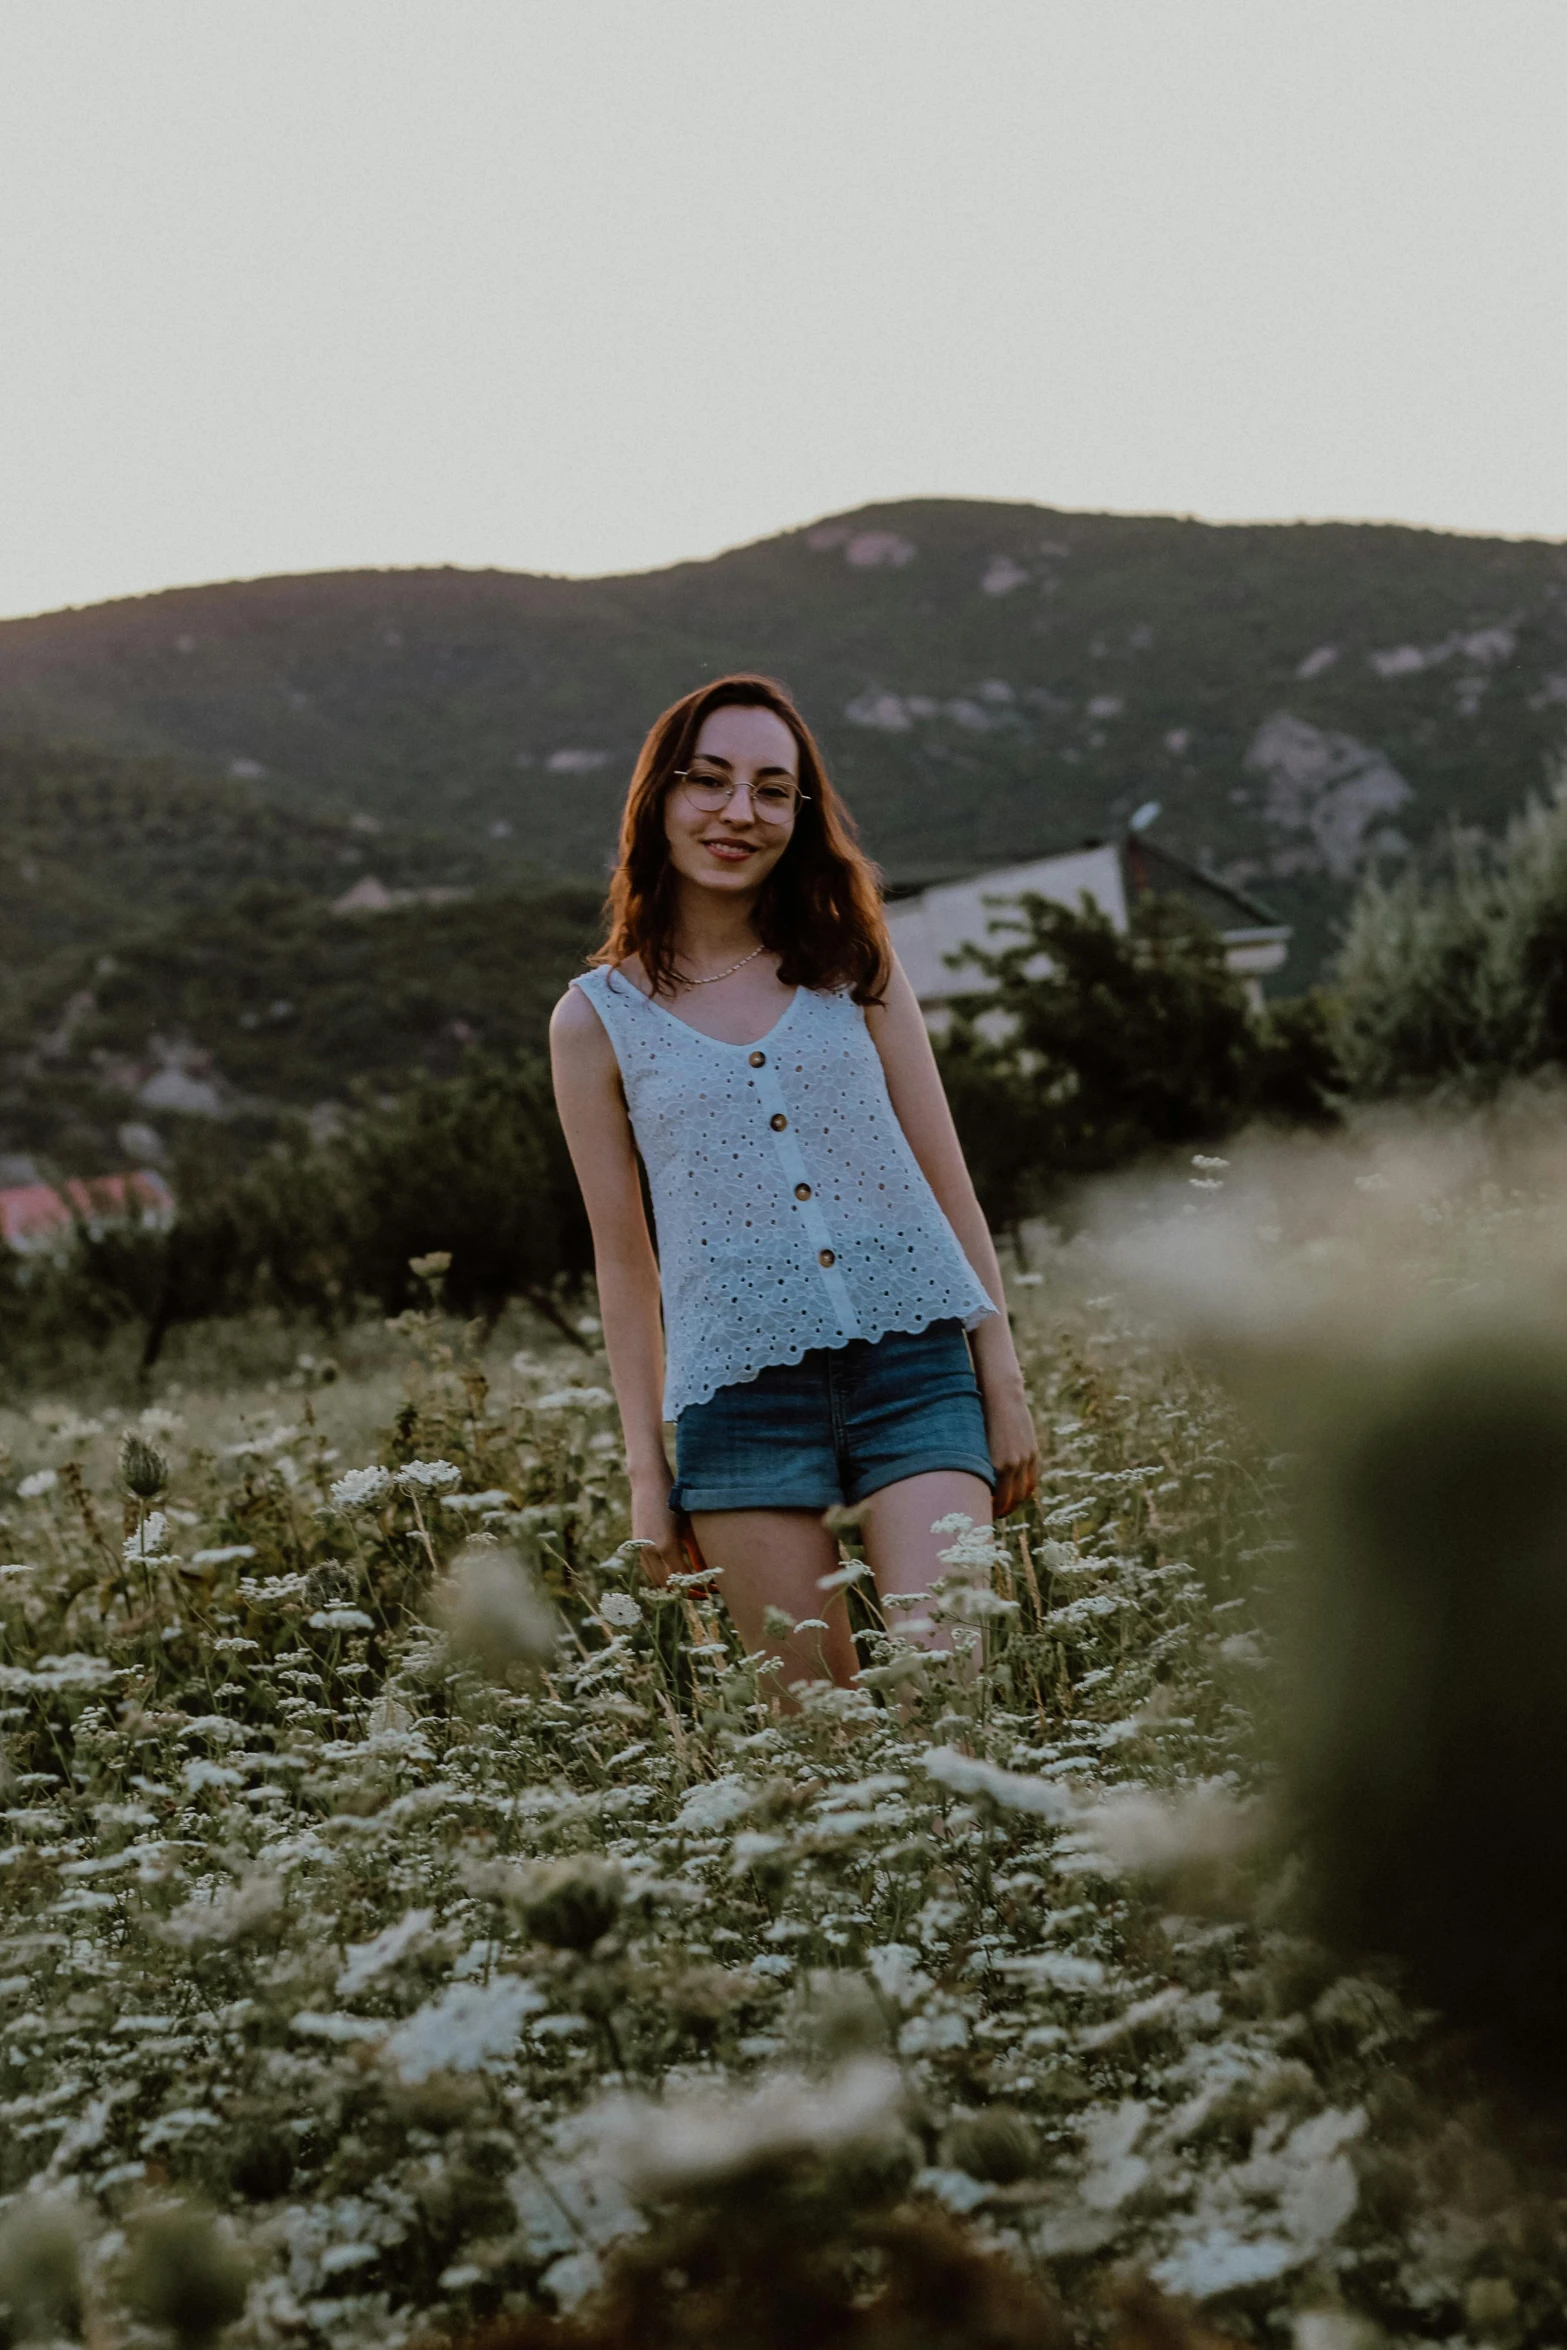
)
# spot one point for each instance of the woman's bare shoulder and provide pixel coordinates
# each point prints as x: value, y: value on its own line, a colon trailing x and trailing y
x: 575, y: 1018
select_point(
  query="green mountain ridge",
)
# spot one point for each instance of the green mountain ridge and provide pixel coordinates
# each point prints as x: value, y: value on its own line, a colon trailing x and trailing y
x: 989, y: 682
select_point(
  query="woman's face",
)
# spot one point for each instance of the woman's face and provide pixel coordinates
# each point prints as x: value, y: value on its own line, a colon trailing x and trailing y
x: 733, y: 846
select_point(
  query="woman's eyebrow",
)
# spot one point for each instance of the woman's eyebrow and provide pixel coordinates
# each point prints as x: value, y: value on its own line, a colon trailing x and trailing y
x: 711, y: 759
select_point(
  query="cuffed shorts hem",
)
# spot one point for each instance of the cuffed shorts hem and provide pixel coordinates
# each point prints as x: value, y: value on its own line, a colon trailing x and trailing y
x: 767, y: 1497
x: 746, y: 1497
x: 920, y: 1464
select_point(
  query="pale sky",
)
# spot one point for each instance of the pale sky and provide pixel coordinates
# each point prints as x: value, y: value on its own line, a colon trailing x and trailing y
x: 595, y: 285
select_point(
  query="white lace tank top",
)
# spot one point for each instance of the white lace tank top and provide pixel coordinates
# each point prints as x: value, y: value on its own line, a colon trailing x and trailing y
x: 791, y: 1212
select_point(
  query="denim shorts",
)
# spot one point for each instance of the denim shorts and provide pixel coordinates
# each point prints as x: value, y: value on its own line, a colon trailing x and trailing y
x: 836, y: 1426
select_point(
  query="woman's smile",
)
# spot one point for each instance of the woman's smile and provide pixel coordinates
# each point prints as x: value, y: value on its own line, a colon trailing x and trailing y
x: 730, y: 852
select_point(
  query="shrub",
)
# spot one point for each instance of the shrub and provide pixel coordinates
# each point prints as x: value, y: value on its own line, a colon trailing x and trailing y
x: 473, y: 1166
x: 1454, y: 974
x: 1099, y: 1046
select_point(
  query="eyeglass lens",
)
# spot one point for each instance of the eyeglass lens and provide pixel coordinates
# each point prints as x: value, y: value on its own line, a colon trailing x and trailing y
x: 773, y: 801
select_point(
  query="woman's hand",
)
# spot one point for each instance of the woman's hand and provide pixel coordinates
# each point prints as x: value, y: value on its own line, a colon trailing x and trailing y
x: 1009, y: 1428
x: 653, y: 1521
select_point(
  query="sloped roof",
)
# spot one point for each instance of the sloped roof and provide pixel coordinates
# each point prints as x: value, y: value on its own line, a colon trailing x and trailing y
x: 33, y: 1213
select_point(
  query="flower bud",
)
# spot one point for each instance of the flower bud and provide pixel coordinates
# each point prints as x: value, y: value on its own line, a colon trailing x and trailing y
x: 570, y: 1903
x: 40, y: 2269
x: 186, y: 2274
x: 144, y: 1470
x: 495, y: 1612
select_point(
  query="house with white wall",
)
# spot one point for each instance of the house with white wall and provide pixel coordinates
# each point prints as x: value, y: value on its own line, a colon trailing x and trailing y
x: 933, y: 922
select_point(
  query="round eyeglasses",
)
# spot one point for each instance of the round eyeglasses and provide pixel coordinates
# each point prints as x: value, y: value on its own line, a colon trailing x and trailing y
x: 774, y: 800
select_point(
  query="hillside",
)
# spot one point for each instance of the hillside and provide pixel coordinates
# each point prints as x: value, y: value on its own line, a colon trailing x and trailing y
x: 233, y: 1013
x: 96, y: 845
x: 989, y: 681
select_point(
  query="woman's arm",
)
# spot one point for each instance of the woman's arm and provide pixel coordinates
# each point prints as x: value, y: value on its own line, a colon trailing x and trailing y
x: 913, y: 1080
x: 598, y: 1135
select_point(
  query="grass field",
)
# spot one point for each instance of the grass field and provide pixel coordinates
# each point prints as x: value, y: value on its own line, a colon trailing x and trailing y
x: 406, y: 1910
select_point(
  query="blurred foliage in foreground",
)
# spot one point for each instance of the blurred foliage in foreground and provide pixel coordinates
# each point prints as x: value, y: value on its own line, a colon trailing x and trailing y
x: 413, y: 1923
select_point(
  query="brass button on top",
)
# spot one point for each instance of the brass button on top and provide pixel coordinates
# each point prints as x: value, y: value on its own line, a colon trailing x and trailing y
x: 802, y: 1191
x: 758, y: 1060
x: 824, y: 1256
x: 778, y: 1121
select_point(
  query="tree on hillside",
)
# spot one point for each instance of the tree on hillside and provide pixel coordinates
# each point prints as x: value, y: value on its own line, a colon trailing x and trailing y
x: 1098, y: 1046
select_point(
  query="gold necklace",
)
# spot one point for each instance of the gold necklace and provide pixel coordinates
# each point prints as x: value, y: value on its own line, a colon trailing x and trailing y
x: 714, y: 977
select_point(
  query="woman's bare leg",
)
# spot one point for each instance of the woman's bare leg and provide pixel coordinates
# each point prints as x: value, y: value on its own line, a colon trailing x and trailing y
x: 904, y: 1554
x: 776, y: 1558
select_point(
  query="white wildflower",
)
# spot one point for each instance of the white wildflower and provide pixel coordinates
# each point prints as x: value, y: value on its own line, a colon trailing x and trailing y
x: 358, y: 1489
x: 222, y: 1729
x: 953, y: 2188
x: 466, y: 2029
x: 618, y: 1607
x: 342, y: 2028
x: 389, y: 1717
x: 77, y: 1428
x: 41, y: 1481
x: 492, y: 1499
x: 1115, y: 2171
x: 234, y: 1914
x: 896, y: 1971
x: 428, y: 1476
x: 270, y: 1442
x: 692, y: 2141
x: 715, y: 1804
x: 965, y: 1774
x: 341, y: 1619
x: 1061, y: 1969
x: 1134, y: 1828
x: 573, y: 1399
x: 74, y: 1671
x: 367, y: 1960
x: 972, y: 1603
x: 224, y: 1554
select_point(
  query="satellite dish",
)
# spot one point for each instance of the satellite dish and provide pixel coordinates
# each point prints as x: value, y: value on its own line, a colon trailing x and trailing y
x: 1147, y: 814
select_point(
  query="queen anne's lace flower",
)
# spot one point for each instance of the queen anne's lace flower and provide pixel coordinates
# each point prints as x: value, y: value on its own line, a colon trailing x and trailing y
x: 468, y: 2028
x: 357, y: 1489
x: 41, y: 1481
x: 430, y: 1475
x: 149, y: 1539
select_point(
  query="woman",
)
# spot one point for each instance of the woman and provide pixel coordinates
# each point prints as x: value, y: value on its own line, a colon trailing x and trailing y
x: 748, y: 1030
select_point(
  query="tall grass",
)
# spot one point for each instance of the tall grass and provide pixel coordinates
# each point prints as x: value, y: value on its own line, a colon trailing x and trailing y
x: 412, y: 1919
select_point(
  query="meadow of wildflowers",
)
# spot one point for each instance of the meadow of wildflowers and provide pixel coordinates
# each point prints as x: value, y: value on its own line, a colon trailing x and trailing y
x: 408, y: 1913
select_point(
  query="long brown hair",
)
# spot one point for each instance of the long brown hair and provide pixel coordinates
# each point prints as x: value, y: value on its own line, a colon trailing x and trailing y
x: 820, y: 907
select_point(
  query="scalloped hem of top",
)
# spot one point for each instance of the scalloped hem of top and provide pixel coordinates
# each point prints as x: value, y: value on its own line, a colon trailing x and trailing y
x: 798, y: 1354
